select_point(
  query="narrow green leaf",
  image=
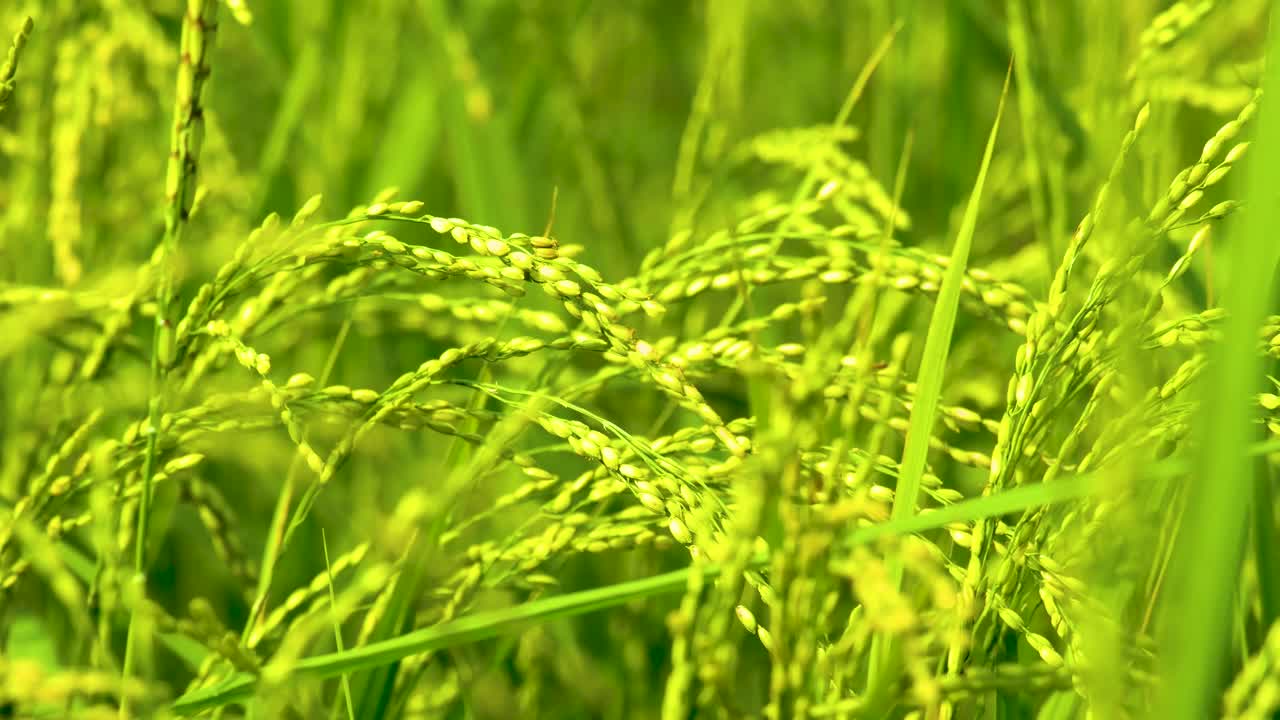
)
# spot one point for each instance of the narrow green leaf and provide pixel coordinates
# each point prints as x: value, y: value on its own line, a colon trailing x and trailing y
x: 482, y: 625
x: 928, y: 392
x: 337, y: 627
x: 1205, y: 576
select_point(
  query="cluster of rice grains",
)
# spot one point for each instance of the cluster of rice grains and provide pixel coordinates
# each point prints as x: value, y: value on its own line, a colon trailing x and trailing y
x: 736, y: 407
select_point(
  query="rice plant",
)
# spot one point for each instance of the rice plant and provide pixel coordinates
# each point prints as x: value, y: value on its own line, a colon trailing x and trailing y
x: 722, y: 359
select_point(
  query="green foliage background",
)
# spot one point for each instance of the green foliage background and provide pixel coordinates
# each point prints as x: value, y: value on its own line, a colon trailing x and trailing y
x: 682, y: 361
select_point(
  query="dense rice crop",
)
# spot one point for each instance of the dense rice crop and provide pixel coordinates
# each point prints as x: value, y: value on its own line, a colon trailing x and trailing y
x: 713, y: 359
